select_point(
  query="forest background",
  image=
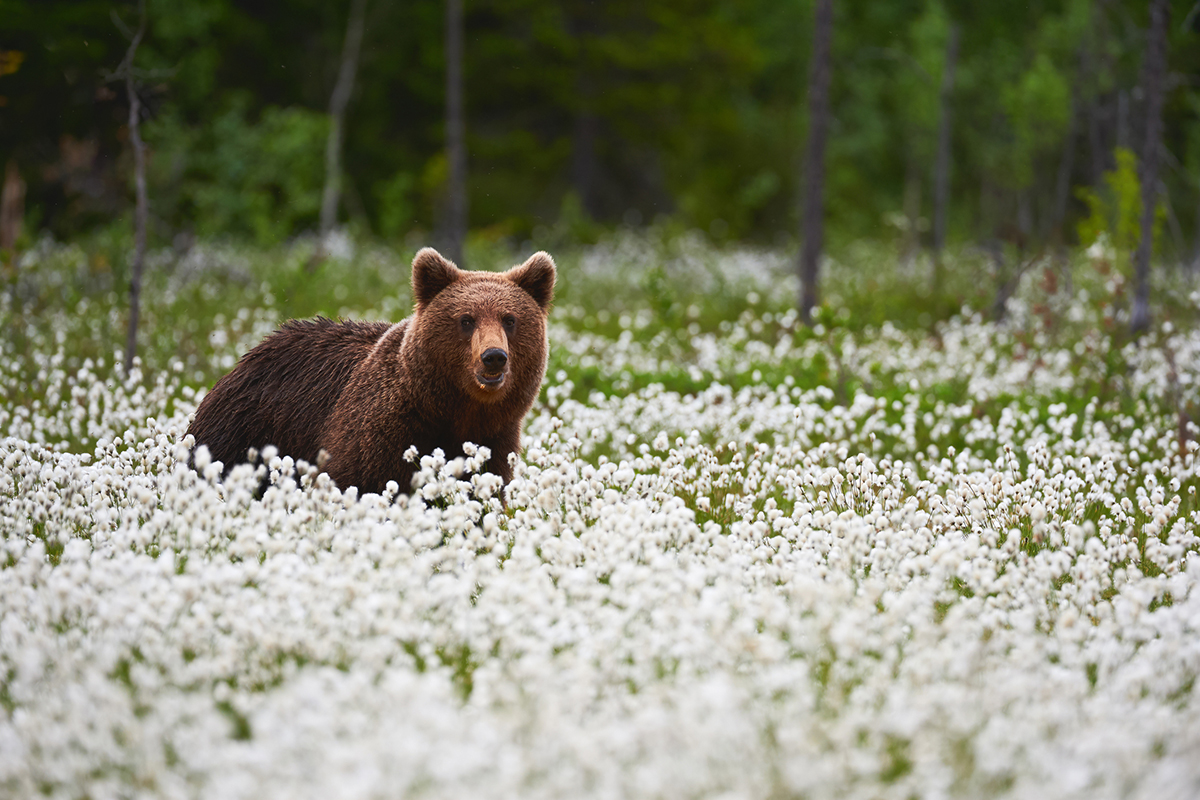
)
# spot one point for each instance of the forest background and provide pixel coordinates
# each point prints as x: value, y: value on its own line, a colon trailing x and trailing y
x: 581, y: 117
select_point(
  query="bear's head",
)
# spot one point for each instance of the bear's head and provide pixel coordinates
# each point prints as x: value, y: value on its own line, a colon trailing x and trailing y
x: 485, y: 330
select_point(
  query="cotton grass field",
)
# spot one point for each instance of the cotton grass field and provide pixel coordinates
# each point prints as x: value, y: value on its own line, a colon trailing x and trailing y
x: 909, y: 553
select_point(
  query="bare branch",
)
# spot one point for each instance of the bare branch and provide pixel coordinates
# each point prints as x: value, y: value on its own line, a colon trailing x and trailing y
x: 1191, y: 16
x: 125, y: 30
x: 134, y: 37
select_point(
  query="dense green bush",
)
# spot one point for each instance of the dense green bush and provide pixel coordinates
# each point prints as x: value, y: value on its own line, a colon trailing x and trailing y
x: 235, y: 175
x: 1114, y: 217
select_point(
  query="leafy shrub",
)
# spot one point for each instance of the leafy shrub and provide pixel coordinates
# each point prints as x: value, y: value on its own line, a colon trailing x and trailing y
x: 259, y: 179
x: 396, y: 204
x: 1115, y: 209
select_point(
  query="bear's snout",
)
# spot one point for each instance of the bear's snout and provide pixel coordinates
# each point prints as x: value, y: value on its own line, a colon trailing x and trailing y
x: 494, y: 359
x: 489, y: 351
x: 491, y: 371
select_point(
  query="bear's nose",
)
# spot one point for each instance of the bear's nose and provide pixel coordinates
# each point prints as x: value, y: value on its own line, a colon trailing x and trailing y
x: 494, y: 359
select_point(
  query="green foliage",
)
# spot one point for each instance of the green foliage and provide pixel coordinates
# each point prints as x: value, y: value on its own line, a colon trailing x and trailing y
x: 396, y: 204
x: 691, y: 110
x: 575, y: 225
x: 261, y: 179
x: 1192, y: 158
x: 918, y: 78
x: 1038, y: 105
x: 1115, y: 209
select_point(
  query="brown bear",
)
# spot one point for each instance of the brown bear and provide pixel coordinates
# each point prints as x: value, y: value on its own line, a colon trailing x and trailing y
x: 465, y: 367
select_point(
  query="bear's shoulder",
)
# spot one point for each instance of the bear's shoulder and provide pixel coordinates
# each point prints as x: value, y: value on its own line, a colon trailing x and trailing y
x: 319, y: 338
x: 323, y: 328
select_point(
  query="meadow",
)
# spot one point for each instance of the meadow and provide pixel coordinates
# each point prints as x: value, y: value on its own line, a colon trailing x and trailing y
x: 908, y: 552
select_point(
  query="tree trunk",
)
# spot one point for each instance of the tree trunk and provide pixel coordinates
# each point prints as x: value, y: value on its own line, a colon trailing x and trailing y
x: 585, y: 163
x: 941, y: 169
x: 1096, y: 140
x: 585, y: 169
x: 1080, y: 135
x: 1154, y: 70
x: 1024, y: 220
x: 1104, y: 122
x: 337, y: 114
x: 139, y: 173
x: 1062, y: 183
x: 912, y: 213
x: 1196, y: 233
x: 12, y: 206
x: 1123, y: 136
x: 456, y: 147
x: 813, y: 222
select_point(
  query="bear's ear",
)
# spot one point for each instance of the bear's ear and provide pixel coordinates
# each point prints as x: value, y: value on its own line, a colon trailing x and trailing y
x: 431, y: 274
x: 536, y: 276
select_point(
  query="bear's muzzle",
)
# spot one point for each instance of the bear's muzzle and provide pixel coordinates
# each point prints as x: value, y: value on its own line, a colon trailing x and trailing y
x: 494, y: 371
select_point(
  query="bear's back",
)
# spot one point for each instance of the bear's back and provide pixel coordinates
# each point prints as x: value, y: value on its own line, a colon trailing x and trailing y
x: 282, y: 392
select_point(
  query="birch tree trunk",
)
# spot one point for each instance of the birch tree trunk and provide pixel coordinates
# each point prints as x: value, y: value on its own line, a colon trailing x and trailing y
x: 941, y: 168
x: 912, y: 212
x: 1196, y: 233
x: 12, y: 206
x: 456, y: 147
x: 1062, y: 182
x: 813, y: 221
x: 1154, y: 70
x: 139, y: 176
x: 337, y: 114
x: 585, y: 170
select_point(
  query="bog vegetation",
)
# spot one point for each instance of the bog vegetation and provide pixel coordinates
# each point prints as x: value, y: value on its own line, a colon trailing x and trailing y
x: 907, y: 552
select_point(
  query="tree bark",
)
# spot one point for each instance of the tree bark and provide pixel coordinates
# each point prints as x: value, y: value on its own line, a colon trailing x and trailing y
x: 1062, y: 183
x: 1196, y: 233
x: 585, y: 163
x: 1066, y: 164
x: 456, y: 147
x: 1096, y: 147
x: 941, y: 169
x: 12, y: 206
x: 1154, y: 70
x: 1062, y: 194
x: 912, y: 212
x: 338, y: 101
x: 1123, y: 137
x: 813, y: 221
x: 585, y: 167
x: 139, y: 173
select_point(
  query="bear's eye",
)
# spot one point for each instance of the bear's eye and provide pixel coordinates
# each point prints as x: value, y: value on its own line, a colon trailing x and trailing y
x: 467, y: 322
x: 509, y: 321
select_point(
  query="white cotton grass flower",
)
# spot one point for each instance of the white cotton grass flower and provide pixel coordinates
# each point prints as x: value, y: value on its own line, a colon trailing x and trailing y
x: 759, y: 588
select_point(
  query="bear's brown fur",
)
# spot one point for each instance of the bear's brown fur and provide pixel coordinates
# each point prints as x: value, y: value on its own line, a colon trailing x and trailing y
x: 465, y: 367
